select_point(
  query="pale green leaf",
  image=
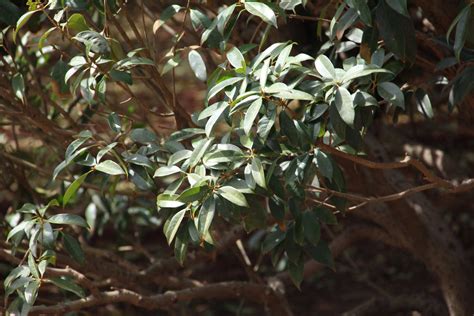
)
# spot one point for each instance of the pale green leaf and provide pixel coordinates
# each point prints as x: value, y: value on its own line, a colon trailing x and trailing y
x: 109, y: 167
x: 173, y: 225
x: 197, y: 65
x: 344, y: 105
x: 251, y: 115
x: 233, y: 195
x: 261, y: 10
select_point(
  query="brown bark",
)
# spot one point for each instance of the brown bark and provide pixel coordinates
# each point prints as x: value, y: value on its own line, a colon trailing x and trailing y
x: 416, y: 223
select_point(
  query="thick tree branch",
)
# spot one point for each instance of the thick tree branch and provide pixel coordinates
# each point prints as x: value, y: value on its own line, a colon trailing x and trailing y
x: 256, y: 293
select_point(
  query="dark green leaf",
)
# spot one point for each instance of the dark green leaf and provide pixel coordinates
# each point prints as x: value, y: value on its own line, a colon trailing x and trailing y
x: 321, y: 253
x: 72, y: 189
x: 68, y: 285
x: 273, y: 239
x: 397, y: 30
x: 193, y: 194
x: 143, y: 136
x: 73, y: 247
x: 325, y: 215
x: 312, y: 229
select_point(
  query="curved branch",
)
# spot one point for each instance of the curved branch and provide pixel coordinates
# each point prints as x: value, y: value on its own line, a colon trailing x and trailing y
x: 256, y: 293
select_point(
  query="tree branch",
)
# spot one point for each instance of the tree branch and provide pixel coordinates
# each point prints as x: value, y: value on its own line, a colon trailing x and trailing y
x: 256, y: 293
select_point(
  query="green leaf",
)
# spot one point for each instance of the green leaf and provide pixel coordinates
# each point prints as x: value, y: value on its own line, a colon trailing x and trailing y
x: 10, y: 12
x: 296, y: 271
x: 68, y: 285
x: 258, y: 173
x: 115, y: 123
x: 211, y: 122
x: 109, y: 167
x: 22, y: 21
x: 312, y: 229
x: 423, y: 102
x: 264, y: 73
x: 233, y: 195
x: 77, y: 23
x: 133, y: 61
x: 321, y: 253
x: 93, y: 41
x: 181, y: 246
x: 251, y: 115
x: 199, y: 151
x: 294, y: 94
x: 167, y: 14
x: 223, y: 18
x: 44, y: 37
x: 166, y: 171
x: 390, y: 92
x: 18, y: 228
x: 400, y: 6
x: 288, y: 127
x: 363, y: 11
x: 172, y: 228
x: 222, y: 85
x: 143, y: 136
x: 20, y: 271
x: 68, y: 219
x: 462, y: 30
x: 193, y: 194
x: 73, y: 247
x: 324, y: 67
x: 18, y: 86
x: 236, y: 59
x: 277, y: 207
x: 32, y: 266
x: 397, y: 31
x: 344, y: 105
x: 72, y: 189
x: 362, y: 71
x: 31, y: 292
x: 272, y: 240
x: 123, y: 76
x: 290, y: 4
x: 104, y: 151
x: 206, y: 215
x: 324, y: 164
x: 325, y: 215
x: 261, y: 10
x: 197, y: 65
x: 167, y: 201
x: 48, y: 235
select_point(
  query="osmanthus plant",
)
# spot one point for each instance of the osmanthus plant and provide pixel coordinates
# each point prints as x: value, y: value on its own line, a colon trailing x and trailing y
x: 260, y: 152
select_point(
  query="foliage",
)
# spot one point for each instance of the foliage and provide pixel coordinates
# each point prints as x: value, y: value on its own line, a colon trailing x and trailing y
x: 254, y: 155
